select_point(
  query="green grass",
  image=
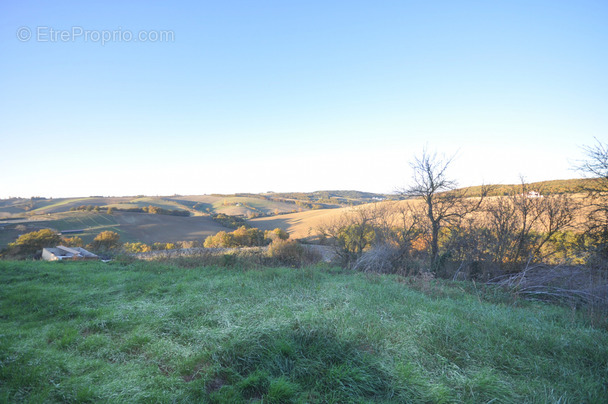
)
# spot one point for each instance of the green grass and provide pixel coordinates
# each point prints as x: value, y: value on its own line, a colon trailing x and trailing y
x: 150, y: 332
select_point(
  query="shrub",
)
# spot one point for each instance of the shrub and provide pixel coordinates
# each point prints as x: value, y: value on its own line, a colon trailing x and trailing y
x: 30, y: 243
x: 244, y: 237
x: 275, y: 234
x: 165, y: 246
x: 136, y: 247
x: 382, y: 258
x: 241, y: 237
x: 72, y: 242
x: 292, y: 253
x: 221, y: 239
x: 106, y: 240
x: 232, y: 222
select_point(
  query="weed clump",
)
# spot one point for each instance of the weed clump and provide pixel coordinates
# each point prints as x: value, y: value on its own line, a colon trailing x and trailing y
x: 291, y: 253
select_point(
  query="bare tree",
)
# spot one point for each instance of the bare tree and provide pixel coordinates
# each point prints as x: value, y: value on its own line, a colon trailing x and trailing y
x: 406, y: 226
x: 596, y: 166
x: 521, y: 223
x: 529, y: 210
x: 351, y: 233
x: 444, y: 204
x: 502, y: 221
x: 558, y: 212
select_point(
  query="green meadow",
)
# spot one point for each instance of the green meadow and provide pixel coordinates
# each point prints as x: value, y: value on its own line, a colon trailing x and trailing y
x: 157, y: 332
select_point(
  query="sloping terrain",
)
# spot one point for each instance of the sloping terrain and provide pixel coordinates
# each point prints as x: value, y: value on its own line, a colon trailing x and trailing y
x: 162, y: 228
x: 289, y: 211
x: 301, y: 224
x: 131, y: 227
x: 159, y: 333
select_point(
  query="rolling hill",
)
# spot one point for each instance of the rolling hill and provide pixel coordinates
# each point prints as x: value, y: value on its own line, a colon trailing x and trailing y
x: 300, y: 214
x: 298, y: 225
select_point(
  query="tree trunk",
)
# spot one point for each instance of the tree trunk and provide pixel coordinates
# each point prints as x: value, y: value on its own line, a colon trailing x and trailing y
x: 434, y: 245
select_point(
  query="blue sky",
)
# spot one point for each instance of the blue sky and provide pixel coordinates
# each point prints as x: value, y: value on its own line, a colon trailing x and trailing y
x: 295, y: 95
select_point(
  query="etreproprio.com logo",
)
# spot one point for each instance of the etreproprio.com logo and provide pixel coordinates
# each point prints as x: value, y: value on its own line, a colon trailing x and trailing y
x: 100, y: 36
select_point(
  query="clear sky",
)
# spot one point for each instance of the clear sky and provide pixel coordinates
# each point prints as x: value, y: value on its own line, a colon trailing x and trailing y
x: 255, y: 96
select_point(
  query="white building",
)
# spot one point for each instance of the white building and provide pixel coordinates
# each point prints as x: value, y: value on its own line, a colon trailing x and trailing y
x: 61, y: 253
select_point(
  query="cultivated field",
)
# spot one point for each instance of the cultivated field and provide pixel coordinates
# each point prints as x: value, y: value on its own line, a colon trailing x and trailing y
x: 20, y: 216
x: 301, y: 224
x: 164, y: 229
x: 284, y: 211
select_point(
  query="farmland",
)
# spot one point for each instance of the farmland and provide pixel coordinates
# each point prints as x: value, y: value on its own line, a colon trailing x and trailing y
x: 292, y: 212
x: 89, y: 215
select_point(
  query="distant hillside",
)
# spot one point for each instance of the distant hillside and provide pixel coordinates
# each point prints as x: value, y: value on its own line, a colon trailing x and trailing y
x: 300, y: 213
x: 571, y: 186
x: 353, y: 195
x: 299, y: 225
x: 147, y: 228
x: 326, y: 199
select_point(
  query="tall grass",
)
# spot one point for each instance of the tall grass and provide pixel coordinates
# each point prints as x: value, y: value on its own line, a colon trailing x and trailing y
x: 155, y: 332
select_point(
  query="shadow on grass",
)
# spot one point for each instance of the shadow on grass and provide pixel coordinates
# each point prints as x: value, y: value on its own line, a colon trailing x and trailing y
x: 303, y: 363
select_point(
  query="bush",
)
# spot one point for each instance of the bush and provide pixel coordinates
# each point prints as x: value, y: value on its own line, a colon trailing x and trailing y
x: 30, y: 243
x: 382, y: 258
x: 136, y: 247
x: 72, y: 242
x: 219, y: 240
x: 241, y: 237
x: 106, y: 240
x: 248, y: 237
x: 275, y: 234
x: 232, y: 222
x: 164, y: 246
x: 292, y: 253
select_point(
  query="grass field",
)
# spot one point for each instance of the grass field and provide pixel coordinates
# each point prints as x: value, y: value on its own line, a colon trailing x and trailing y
x: 150, y: 332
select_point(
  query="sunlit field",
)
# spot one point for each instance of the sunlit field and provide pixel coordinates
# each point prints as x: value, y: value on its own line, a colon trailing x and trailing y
x: 151, y: 332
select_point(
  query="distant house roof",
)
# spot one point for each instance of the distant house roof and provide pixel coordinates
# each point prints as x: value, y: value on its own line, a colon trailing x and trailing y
x: 60, y: 253
x: 62, y: 232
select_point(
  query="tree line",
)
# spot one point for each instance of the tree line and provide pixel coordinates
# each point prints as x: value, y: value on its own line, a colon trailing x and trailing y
x: 30, y: 245
x: 153, y: 210
x: 446, y: 229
